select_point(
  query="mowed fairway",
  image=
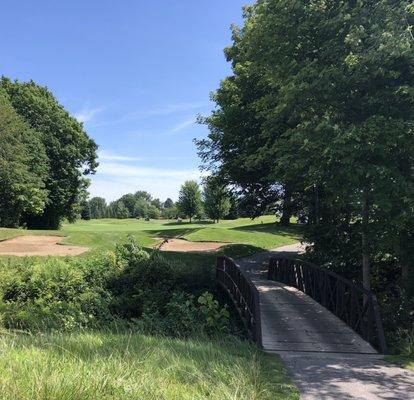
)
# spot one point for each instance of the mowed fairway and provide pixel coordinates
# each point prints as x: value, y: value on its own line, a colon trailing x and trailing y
x: 245, y: 235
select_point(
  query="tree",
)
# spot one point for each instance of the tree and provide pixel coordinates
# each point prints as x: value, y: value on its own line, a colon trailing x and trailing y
x: 156, y: 203
x: 70, y: 152
x: 141, y: 194
x: 141, y: 208
x: 129, y: 201
x: 118, y: 210
x: 318, y: 116
x: 153, y: 212
x: 169, y: 213
x: 189, y: 200
x: 86, y: 211
x: 168, y: 203
x: 98, y: 207
x: 234, y: 208
x: 216, y: 199
x: 23, y: 167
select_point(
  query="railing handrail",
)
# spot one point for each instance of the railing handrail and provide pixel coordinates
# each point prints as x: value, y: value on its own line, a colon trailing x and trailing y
x: 328, y: 272
x: 241, y: 302
x: 369, y: 299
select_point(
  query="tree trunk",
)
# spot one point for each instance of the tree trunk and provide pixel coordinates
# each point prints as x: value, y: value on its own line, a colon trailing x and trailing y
x: 405, y: 273
x: 286, y: 208
x: 404, y: 252
x: 366, y: 257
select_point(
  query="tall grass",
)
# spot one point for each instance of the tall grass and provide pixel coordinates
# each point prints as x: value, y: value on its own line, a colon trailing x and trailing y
x: 91, y: 366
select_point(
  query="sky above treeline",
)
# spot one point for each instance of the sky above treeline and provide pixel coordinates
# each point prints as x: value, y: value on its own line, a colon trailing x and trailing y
x: 137, y: 73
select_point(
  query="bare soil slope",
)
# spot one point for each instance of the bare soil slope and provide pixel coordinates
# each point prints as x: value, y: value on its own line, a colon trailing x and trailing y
x: 38, y: 246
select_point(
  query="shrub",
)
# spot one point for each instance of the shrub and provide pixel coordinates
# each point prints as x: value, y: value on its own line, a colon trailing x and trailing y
x: 54, y: 294
x: 215, y: 318
x: 129, y: 285
x: 143, y: 283
x: 185, y: 317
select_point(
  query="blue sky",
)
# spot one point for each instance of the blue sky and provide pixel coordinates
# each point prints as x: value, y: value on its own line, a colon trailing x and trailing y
x: 135, y: 72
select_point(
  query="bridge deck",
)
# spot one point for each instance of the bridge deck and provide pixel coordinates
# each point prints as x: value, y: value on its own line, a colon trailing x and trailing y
x: 322, y: 354
x: 292, y: 321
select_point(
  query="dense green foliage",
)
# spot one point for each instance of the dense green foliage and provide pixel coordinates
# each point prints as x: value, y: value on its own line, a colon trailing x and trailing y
x: 318, y: 120
x: 70, y: 152
x: 189, y: 200
x: 216, y: 200
x: 98, y: 207
x: 23, y: 167
x: 149, y: 292
x: 137, y: 205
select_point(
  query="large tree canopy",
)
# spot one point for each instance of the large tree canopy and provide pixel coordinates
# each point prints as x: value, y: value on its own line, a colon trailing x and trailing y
x: 98, y: 207
x: 70, y: 151
x: 23, y: 167
x: 216, y: 199
x: 189, y: 199
x: 319, y: 116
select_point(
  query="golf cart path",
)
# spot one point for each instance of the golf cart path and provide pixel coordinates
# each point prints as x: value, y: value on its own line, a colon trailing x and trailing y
x: 325, y: 358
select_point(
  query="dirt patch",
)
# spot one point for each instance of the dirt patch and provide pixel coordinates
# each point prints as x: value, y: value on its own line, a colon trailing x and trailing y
x: 39, y: 246
x: 190, y: 247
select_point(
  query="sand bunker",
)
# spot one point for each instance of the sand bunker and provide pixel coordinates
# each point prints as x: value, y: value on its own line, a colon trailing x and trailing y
x: 188, y: 247
x: 38, y: 246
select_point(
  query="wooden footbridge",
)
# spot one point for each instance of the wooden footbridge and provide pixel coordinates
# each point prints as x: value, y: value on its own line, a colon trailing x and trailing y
x: 288, y: 305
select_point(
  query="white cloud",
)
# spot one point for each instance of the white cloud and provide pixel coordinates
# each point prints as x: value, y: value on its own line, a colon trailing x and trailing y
x: 166, y: 109
x: 171, y: 109
x: 123, y: 170
x: 87, y: 114
x: 184, y: 125
x: 114, y: 179
x: 108, y: 156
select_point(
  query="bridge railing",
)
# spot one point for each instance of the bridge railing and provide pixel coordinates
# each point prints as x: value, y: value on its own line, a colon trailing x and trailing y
x: 243, y: 294
x: 353, y: 304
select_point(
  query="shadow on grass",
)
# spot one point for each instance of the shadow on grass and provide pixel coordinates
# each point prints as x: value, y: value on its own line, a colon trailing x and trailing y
x: 178, y: 223
x: 239, y: 250
x: 171, y: 233
x: 271, y: 227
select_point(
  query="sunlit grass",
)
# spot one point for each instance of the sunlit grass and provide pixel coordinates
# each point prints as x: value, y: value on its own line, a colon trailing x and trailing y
x: 405, y: 361
x: 90, y: 366
x: 261, y: 233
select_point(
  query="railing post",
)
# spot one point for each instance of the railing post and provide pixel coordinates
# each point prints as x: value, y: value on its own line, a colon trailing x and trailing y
x: 339, y: 295
x: 242, y: 293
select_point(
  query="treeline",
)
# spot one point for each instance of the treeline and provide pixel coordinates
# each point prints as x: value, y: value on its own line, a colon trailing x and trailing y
x: 213, y: 201
x: 318, y: 118
x: 44, y: 155
x: 137, y: 205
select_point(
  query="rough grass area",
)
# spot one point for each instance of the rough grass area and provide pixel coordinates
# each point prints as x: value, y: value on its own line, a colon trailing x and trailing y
x: 404, y: 361
x: 90, y: 366
x: 246, y: 235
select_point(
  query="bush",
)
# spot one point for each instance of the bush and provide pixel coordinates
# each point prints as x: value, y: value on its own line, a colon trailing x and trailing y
x: 185, y: 317
x: 398, y: 317
x: 147, y: 291
x: 143, y: 283
x: 215, y: 318
x: 55, y: 294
